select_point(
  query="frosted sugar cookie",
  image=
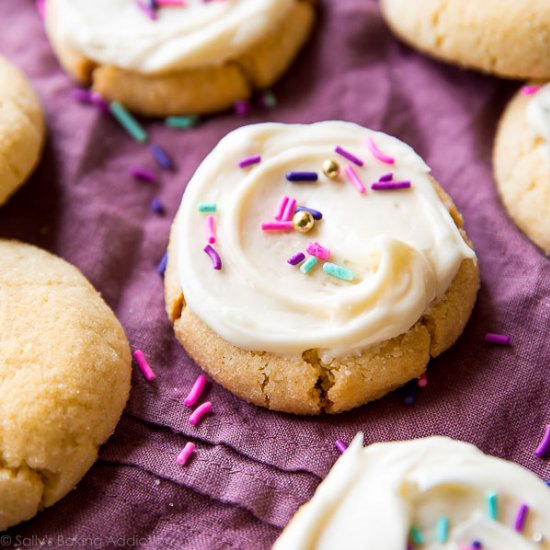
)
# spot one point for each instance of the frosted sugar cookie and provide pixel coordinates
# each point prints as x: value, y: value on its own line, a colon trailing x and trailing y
x: 521, y: 162
x: 426, y: 493
x: 21, y: 129
x: 196, y: 58
x: 64, y: 379
x: 316, y: 267
x: 504, y: 37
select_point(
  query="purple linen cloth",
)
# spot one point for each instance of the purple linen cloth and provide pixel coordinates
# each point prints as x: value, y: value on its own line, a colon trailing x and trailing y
x: 253, y: 468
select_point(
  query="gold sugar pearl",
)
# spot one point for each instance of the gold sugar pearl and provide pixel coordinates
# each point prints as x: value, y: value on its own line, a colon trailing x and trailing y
x: 331, y: 169
x: 303, y: 221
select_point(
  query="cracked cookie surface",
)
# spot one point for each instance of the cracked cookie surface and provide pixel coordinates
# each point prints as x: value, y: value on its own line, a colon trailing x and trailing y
x: 64, y: 379
x: 504, y: 37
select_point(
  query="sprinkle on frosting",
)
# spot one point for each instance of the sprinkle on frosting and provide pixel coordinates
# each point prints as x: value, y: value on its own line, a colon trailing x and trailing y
x: 277, y: 226
x: 492, y: 505
x: 297, y: 177
x: 315, y: 213
x: 205, y: 207
x: 349, y: 156
x: 530, y: 90
x: 390, y: 185
x: 199, y: 412
x: 249, y: 161
x: 308, y: 265
x: 338, y: 271
x: 386, y: 177
x: 371, y: 144
x: 289, y: 210
x: 214, y: 257
x: 442, y: 530
x: 280, y: 211
x: 195, y: 392
x: 498, y: 339
x: 185, y: 454
x: 144, y: 366
x: 519, y: 522
x: 416, y: 536
x: 298, y: 258
x: 354, y: 179
x: 315, y: 249
x: 544, y: 446
x: 128, y: 122
x: 210, y: 229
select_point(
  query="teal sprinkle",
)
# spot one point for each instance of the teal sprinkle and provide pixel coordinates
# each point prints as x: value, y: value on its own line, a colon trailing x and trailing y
x: 416, y: 536
x: 338, y: 271
x: 270, y: 101
x: 492, y: 505
x: 442, y: 531
x: 308, y: 264
x: 182, y: 122
x: 128, y: 122
x: 207, y: 207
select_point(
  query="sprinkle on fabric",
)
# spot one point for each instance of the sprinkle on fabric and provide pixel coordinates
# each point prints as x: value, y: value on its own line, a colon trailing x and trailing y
x: 214, y: 257
x: 279, y: 213
x: 157, y: 207
x: 544, y: 445
x: 268, y: 100
x: 492, y: 505
x: 289, y: 210
x: 519, y: 523
x: 142, y: 174
x: 195, y: 391
x: 390, y: 185
x: 199, y: 412
x: 315, y: 249
x: 210, y: 229
x: 423, y: 380
x: 205, y: 207
x: 81, y: 95
x: 241, y: 108
x: 185, y: 454
x: 182, y: 122
x: 377, y: 153
x: 411, y: 391
x: 442, y: 530
x: 161, y: 156
x: 530, y: 90
x: 249, y: 161
x: 340, y: 446
x: 498, y: 339
x: 100, y: 103
x: 315, y: 213
x: 128, y: 122
x: 338, y: 271
x: 308, y: 265
x: 277, y: 226
x: 349, y: 156
x: 416, y: 536
x: 161, y: 268
x: 144, y: 366
x: 298, y: 258
x: 354, y: 179
x: 297, y: 177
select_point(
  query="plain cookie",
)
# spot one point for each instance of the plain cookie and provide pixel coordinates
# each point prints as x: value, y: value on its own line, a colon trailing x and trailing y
x: 21, y: 129
x: 64, y: 379
x: 508, y: 38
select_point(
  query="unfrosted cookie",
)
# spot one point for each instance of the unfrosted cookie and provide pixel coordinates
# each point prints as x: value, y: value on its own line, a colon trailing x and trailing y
x: 21, y: 129
x: 426, y: 493
x: 509, y: 38
x: 194, y: 59
x: 393, y: 285
x: 521, y: 161
x: 64, y: 379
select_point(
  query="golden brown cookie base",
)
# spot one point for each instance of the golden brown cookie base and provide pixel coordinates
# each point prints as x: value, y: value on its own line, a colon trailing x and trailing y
x: 521, y: 162
x: 306, y: 385
x: 195, y: 91
x: 503, y: 37
x: 64, y: 379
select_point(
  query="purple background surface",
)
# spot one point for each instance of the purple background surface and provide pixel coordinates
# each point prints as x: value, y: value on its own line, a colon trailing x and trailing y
x: 253, y: 467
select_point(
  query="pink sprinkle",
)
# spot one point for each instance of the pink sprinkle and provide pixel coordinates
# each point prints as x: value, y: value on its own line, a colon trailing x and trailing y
x: 289, y: 210
x: 499, y: 339
x: 41, y: 7
x: 281, y: 208
x: 211, y: 229
x: 354, y: 178
x: 242, y: 108
x: 199, y: 412
x: 142, y: 174
x: 144, y: 365
x: 377, y: 153
x: 195, y: 392
x: 521, y: 517
x: 249, y: 161
x: 544, y: 445
x: 422, y: 380
x: 277, y: 226
x: 170, y: 3
x: 151, y: 13
x: 187, y: 451
x: 315, y: 249
x: 341, y: 446
x: 530, y: 90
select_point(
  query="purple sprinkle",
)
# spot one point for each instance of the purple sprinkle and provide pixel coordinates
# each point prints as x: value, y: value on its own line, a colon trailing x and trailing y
x: 41, y: 7
x: 151, y: 13
x: 499, y: 339
x: 100, y: 103
x: 477, y: 544
x: 547, y: 482
x: 349, y: 156
x: 315, y: 213
x: 386, y: 177
x: 302, y: 176
x: 161, y: 156
x: 242, y: 108
x: 521, y: 517
x: 81, y: 95
x: 142, y: 174
x: 249, y: 161
x: 341, y: 446
x: 214, y: 256
x: 411, y: 389
x: 161, y: 268
x: 390, y: 185
x: 544, y: 445
x: 297, y: 258
x: 157, y: 207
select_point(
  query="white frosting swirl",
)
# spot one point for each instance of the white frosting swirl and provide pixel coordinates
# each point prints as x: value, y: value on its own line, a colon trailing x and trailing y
x: 538, y: 112
x: 373, y: 496
x: 118, y: 33
x: 402, y: 246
